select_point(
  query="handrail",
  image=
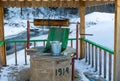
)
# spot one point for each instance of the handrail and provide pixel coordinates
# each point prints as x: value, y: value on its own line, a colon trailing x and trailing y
x: 98, y: 45
x: 12, y: 41
x: 84, y: 39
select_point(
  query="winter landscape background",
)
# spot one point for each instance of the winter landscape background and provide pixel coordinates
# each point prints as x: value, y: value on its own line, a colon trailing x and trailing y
x: 99, y: 21
x: 16, y: 20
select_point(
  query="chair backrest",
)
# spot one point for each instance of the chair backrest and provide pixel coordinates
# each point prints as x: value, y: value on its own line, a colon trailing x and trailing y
x: 58, y: 34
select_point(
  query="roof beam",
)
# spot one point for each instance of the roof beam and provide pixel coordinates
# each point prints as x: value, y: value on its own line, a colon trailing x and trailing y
x: 51, y: 3
x: 94, y: 3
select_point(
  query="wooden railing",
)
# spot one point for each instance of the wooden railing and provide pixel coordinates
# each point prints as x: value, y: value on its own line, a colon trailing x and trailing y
x: 24, y: 42
x: 99, y: 57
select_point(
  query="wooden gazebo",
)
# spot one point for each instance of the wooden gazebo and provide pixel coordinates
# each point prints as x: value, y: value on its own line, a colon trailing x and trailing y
x: 81, y: 4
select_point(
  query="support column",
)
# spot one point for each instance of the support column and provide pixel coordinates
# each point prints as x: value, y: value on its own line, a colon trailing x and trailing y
x: 117, y: 42
x: 82, y: 29
x: 2, y: 48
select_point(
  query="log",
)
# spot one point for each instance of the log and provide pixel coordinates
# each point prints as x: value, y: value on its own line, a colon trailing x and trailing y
x: 51, y: 22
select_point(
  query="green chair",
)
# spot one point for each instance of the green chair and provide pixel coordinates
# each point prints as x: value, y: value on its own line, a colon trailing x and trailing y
x: 57, y: 34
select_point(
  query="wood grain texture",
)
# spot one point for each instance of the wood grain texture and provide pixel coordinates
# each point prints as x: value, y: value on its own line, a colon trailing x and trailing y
x: 51, y: 3
x: 117, y: 42
x: 51, y: 22
x: 2, y: 48
x: 82, y: 29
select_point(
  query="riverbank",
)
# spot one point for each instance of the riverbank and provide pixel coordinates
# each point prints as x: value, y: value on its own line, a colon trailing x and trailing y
x: 22, y: 36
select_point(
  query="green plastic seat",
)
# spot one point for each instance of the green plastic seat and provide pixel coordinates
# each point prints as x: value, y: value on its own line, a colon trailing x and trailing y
x: 57, y: 34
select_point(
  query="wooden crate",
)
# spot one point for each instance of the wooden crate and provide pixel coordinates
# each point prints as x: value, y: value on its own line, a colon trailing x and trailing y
x: 48, y: 68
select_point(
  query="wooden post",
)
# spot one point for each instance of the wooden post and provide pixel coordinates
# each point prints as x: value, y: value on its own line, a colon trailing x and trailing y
x: 82, y: 28
x: 117, y: 42
x: 2, y: 48
x: 28, y: 34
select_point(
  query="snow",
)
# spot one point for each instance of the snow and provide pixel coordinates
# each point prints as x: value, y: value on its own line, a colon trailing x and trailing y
x: 103, y: 30
x: 13, y: 31
x: 14, y: 26
x: 81, y: 67
x: 101, y: 25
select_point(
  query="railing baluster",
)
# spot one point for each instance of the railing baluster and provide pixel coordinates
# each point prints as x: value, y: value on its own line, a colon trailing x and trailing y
x: 43, y: 43
x: 110, y: 67
x: 96, y: 60
x: 92, y: 56
x: 100, y: 62
x: 15, y: 50
x: 89, y: 54
x: 71, y: 43
x: 34, y: 44
x: 25, y: 53
x: 86, y: 52
x: 104, y: 64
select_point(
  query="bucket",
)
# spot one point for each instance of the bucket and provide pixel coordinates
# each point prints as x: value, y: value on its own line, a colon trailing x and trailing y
x: 55, y: 47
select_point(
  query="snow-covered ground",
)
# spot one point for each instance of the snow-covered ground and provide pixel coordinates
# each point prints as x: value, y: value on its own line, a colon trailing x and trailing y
x: 102, y: 30
x: 101, y: 25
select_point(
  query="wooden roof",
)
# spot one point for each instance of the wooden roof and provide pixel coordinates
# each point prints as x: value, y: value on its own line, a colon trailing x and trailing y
x: 51, y: 3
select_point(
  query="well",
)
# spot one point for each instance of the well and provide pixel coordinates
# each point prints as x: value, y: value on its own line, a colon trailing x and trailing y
x: 45, y: 67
